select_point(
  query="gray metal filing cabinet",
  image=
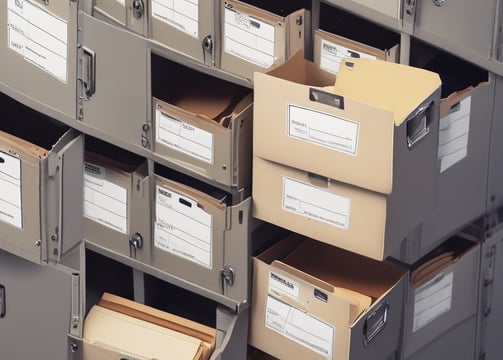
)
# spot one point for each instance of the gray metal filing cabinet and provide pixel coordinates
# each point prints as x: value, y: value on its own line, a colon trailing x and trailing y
x: 38, y: 51
x: 89, y: 92
x: 40, y: 309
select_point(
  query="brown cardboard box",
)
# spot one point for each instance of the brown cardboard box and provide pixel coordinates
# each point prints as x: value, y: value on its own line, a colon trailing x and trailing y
x: 313, y: 301
x: 255, y: 39
x: 356, y: 148
x: 207, y: 128
x: 120, y: 327
x: 378, y: 115
x: 330, y: 49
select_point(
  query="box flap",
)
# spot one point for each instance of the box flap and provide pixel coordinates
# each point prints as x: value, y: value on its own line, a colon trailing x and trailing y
x: 395, y: 87
x: 149, y: 341
x: 301, y: 71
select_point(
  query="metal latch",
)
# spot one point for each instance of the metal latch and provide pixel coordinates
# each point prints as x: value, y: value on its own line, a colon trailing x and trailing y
x: 227, y: 275
x: 410, y: 7
x: 138, y: 9
x: 87, y: 77
x: 135, y: 243
x: 207, y: 44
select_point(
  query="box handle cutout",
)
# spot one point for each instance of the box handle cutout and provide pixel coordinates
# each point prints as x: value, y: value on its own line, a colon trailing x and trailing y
x: 2, y: 160
x: 375, y: 323
x: 326, y: 98
x: 318, y: 180
x: 418, y: 125
x: 318, y: 294
x: 185, y: 202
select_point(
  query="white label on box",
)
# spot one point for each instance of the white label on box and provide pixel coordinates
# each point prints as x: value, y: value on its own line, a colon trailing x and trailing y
x: 249, y: 38
x: 453, y: 134
x: 315, y: 203
x: 331, y: 55
x: 183, y: 137
x: 181, y: 14
x: 432, y: 300
x: 39, y: 36
x: 323, y: 129
x: 182, y: 227
x: 300, y: 327
x: 104, y: 201
x: 283, y: 285
x: 10, y: 190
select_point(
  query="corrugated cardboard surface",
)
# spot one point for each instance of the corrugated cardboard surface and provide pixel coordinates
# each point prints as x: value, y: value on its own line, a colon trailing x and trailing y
x: 301, y: 260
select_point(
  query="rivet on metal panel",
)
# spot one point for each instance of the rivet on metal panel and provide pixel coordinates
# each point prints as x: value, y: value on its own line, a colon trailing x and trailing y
x: 439, y: 2
x: 73, y: 347
x: 38, y: 243
x: 46, y: 2
x: 138, y: 9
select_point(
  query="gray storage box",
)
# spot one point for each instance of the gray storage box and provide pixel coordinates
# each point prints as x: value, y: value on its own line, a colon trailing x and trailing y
x: 41, y: 184
x: 117, y: 204
x: 259, y: 39
x: 128, y: 13
x: 38, y: 43
x: 200, y: 238
x: 39, y: 308
x: 442, y: 292
x: 203, y: 124
x: 187, y: 27
x: 464, y: 27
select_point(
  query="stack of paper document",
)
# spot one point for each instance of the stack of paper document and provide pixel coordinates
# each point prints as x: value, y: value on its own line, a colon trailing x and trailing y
x: 117, y: 326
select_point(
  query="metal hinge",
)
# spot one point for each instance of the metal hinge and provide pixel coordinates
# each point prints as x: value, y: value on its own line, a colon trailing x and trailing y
x: 207, y: 45
x: 488, y: 280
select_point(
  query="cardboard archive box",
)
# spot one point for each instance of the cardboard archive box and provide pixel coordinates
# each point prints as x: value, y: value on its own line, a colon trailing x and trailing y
x: 118, y: 327
x: 117, y: 203
x: 311, y: 300
x: 40, y: 183
x: 355, y: 165
x: 206, y: 127
x: 259, y: 35
x: 113, y: 10
x: 198, y: 234
x: 442, y: 292
x: 187, y: 27
x: 330, y: 49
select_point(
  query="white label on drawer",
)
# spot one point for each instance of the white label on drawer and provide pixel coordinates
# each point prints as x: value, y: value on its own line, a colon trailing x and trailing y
x: 181, y: 14
x: 323, y: 129
x: 300, y: 327
x: 182, y: 227
x: 432, y: 300
x: 183, y: 137
x: 10, y: 190
x: 39, y: 36
x: 331, y: 55
x: 283, y: 284
x: 104, y: 201
x: 248, y: 38
x: 453, y: 134
x: 315, y: 203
